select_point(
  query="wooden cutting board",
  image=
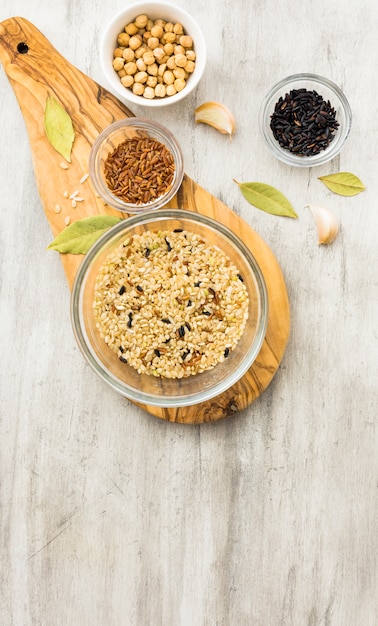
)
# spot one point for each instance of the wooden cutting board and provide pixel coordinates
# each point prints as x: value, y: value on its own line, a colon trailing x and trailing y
x: 36, y: 70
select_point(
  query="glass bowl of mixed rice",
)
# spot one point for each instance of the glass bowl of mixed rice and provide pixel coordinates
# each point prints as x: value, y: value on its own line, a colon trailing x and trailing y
x: 170, y: 308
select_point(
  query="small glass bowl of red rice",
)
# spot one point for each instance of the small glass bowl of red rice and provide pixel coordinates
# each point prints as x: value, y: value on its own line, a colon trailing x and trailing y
x: 170, y: 308
x: 136, y: 165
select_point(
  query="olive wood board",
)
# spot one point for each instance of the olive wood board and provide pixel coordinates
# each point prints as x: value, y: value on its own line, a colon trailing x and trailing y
x: 36, y: 70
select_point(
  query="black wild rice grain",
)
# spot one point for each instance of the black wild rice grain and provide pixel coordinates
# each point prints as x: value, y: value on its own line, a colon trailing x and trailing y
x: 303, y: 122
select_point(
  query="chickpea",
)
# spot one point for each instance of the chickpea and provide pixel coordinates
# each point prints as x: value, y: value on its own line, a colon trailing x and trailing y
x: 149, y: 93
x: 141, y: 21
x: 189, y: 67
x: 131, y: 68
x: 179, y: 84
x: 178, y: 29
x: 157, y: 31
x: 160, y: 91
x: 158, y: 54
x: 151, y: 81
x: 127, y: 81
x: 139, y: 52
x: 171, y: 63
x: 146, y: 35
x: 140, y: 77
x: 180, y: 60
x: 168, y: 77
x: 138, y: 89
x: 159, y: 22
x: 171, y: 90
x: 131, y: 29
x: 170, y: 37
x: 128, y: 55
x: 123, y: 39
x: 121, y: 73
x: 153, y: 42
x: 118, y: 64
x: 118, y: 52
x: 168, y: 27
x: 178, y: 50
x: 190, y: 55
x: 141, y: 65
x: 179, y: 72
x: 152, y: 69
x: 135, y: 42
x: 186, y: 41
x: 148, y: 57
x: 149, y: 24
x: 162, y: 69
x: 168, y: 49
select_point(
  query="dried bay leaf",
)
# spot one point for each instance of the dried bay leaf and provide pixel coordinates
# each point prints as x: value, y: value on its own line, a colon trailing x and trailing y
x: 267, y: 198
x: 58, y: 128
x: 79, y: 236
x: 343, y: 183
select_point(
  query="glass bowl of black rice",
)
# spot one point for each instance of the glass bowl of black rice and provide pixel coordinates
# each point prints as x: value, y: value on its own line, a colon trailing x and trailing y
x: 305, y: 120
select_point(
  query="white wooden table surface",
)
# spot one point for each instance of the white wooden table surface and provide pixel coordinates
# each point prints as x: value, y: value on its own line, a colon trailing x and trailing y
x: 112, y: 517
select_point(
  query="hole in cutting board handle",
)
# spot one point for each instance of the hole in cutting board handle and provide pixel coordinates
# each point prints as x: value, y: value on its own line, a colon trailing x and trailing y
x: 22, y: 47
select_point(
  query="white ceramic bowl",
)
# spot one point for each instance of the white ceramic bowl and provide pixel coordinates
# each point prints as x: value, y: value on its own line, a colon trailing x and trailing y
x: 154, y: 10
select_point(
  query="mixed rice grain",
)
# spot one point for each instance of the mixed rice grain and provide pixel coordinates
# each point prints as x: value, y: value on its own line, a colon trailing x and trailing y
x: 170, y: 304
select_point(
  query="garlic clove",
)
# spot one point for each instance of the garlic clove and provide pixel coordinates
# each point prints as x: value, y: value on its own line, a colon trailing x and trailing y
x: 327, y: 223
x: 216, y: 115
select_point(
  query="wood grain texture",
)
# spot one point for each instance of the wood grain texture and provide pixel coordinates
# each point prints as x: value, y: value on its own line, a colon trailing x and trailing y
x: 109, y: 516
x: 91, y: 109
